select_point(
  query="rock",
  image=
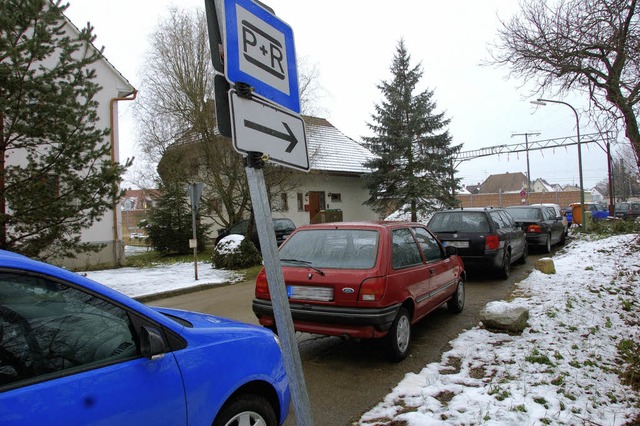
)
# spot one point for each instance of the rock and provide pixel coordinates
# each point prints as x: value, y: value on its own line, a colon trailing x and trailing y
x: 546, y: 265
x: 504, y: 316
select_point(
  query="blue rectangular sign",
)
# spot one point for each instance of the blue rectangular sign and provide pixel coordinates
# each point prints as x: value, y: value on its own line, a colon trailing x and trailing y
x: 259, y: 51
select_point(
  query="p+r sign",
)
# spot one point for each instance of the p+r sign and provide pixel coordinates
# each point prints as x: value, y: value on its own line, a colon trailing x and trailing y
x: 259, y: 51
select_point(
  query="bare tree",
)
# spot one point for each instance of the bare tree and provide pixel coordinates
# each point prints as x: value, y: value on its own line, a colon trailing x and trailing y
x: 176, y: 119
x: 568, y: 45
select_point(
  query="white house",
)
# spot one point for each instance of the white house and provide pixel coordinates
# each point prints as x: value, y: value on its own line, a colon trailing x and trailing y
x: 107, y: 230
x: 334, y: 187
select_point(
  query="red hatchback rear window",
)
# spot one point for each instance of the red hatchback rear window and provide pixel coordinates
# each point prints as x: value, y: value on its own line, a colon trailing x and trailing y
x: 331, y: 248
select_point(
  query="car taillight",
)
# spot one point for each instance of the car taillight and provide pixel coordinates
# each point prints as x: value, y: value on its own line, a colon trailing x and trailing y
x: 372, y: 289
x: 262, y: 287
x: 491, y: 242
x: 534, y: 228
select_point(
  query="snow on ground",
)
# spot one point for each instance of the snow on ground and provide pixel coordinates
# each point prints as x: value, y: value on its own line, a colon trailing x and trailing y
x: 138, y: 282
x: 560, y: 371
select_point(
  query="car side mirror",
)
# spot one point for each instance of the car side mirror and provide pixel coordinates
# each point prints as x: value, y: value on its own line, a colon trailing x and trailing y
x: 450, y: 251
x: 151, y: 342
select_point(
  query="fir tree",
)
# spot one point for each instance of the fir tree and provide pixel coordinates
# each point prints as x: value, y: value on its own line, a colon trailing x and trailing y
x: 170, y: 222
x: 413, y: 169
x: 56, y: 173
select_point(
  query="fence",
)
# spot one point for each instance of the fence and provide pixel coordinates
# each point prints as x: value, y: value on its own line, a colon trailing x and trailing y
x: 503, y: 199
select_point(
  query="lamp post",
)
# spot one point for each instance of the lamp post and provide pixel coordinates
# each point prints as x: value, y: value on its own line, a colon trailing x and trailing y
x: 543, y: 102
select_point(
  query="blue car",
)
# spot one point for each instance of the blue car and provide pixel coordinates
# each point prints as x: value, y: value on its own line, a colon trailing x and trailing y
x: 73, y: 351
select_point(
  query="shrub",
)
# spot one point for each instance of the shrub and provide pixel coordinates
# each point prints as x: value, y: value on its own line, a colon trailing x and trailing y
x: 229, y: 255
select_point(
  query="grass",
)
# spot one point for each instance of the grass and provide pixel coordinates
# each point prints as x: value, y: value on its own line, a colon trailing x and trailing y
x: 628, y: 349
x: 151, y: 258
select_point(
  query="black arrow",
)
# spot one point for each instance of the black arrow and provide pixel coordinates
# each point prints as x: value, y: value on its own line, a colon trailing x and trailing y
x: 289, y: 136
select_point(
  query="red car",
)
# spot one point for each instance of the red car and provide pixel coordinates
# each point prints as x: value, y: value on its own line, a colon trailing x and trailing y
x: 364, y: 280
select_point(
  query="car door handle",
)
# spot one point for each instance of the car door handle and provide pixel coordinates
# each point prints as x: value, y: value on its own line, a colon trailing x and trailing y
x: 432, y: 272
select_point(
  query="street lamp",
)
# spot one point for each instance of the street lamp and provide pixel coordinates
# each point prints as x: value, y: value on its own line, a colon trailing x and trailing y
x: 543, y: 102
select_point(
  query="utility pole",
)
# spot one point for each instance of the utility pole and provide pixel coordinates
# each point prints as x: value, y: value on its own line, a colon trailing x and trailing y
x: 526, y: 141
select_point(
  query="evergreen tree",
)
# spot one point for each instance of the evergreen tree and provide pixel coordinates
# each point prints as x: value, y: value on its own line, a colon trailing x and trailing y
x: 56, y: 173
x: 413, y: 169
x: 170, y: 224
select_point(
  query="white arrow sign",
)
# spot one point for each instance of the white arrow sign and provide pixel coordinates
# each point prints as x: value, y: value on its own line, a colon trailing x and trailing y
x: 259, y: 126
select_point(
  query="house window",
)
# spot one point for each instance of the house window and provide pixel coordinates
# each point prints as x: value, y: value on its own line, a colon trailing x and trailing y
x: 213, y: 205
x: 284, y: 201
x: 335, y: 198
x: 300, y: 201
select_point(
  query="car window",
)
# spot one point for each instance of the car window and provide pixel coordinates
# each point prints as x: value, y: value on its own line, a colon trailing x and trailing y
x: 404, y: 251
x: 497, y: 219
x: 506, y: 217
x: 459, y: 221
x: 549, y: 213
x: 47, y: 327
x: 428, y: 244
x: 331, y: 248
x: 240, y: 228
x: 519, y: 214
x: 283, y: 225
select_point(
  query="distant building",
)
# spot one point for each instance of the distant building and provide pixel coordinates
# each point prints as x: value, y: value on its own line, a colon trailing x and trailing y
x: 541, y: 185
x: 135, y: 205
x: 506, y: 182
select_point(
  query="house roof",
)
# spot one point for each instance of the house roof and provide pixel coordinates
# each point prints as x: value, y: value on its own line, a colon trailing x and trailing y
x: 330, y: 150
x: 546, y: 185
x: 137, y: 199
x: 506, y: 182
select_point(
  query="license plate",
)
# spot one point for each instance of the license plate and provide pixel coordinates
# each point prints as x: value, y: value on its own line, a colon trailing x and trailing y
x: 323, y: 294
x: 458, y: 244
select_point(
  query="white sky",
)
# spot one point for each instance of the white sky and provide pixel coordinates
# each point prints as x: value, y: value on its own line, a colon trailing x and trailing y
x: 353, y: 43
x: 576, y: 320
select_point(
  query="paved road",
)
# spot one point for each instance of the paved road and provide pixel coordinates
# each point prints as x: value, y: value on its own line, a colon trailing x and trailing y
x: 346, y: 378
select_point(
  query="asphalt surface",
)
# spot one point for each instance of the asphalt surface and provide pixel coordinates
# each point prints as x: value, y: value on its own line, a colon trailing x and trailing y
x: 345, y: 378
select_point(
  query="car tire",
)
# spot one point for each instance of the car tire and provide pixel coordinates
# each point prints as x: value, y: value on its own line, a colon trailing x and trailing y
x: 505, y: 269
x: 456, y: 303
x: 547, y: 246
x: 399, y: 337
x: 524, y: 256
x: 246, y: 409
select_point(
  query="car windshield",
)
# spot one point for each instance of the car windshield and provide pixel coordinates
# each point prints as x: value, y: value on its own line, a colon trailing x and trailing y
x: 622, y: 207
x: 283, y: 225
x: 331, y: 248
x: 520, y: 214
x: 459, y: 221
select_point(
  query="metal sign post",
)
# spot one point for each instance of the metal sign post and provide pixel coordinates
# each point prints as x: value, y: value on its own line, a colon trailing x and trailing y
x: 277, y: 288
x: 195, y: 190
x: 259, y: 63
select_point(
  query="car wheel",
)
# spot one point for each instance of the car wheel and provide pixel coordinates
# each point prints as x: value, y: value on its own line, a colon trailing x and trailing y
x: 547, y: 247
x: 525, y: 255
x: 399, y: 336
x: 246, y: 409
x: 456, y: 304
x: 505, y: 270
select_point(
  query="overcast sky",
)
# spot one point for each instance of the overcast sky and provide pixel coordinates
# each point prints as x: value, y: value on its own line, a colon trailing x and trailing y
x: 352, y: 43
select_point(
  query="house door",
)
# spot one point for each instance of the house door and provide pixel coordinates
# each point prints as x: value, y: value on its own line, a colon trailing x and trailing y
x: 316, y: 204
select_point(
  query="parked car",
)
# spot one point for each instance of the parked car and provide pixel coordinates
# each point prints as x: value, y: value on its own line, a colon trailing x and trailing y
x: 543, y: 228
x: 559, y: 213
x: 364, y: 280
x: 628, y: 210
x: 484, y: 237
x: 598, y: 212
x: 283, y: 227
x: 73, y: 351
